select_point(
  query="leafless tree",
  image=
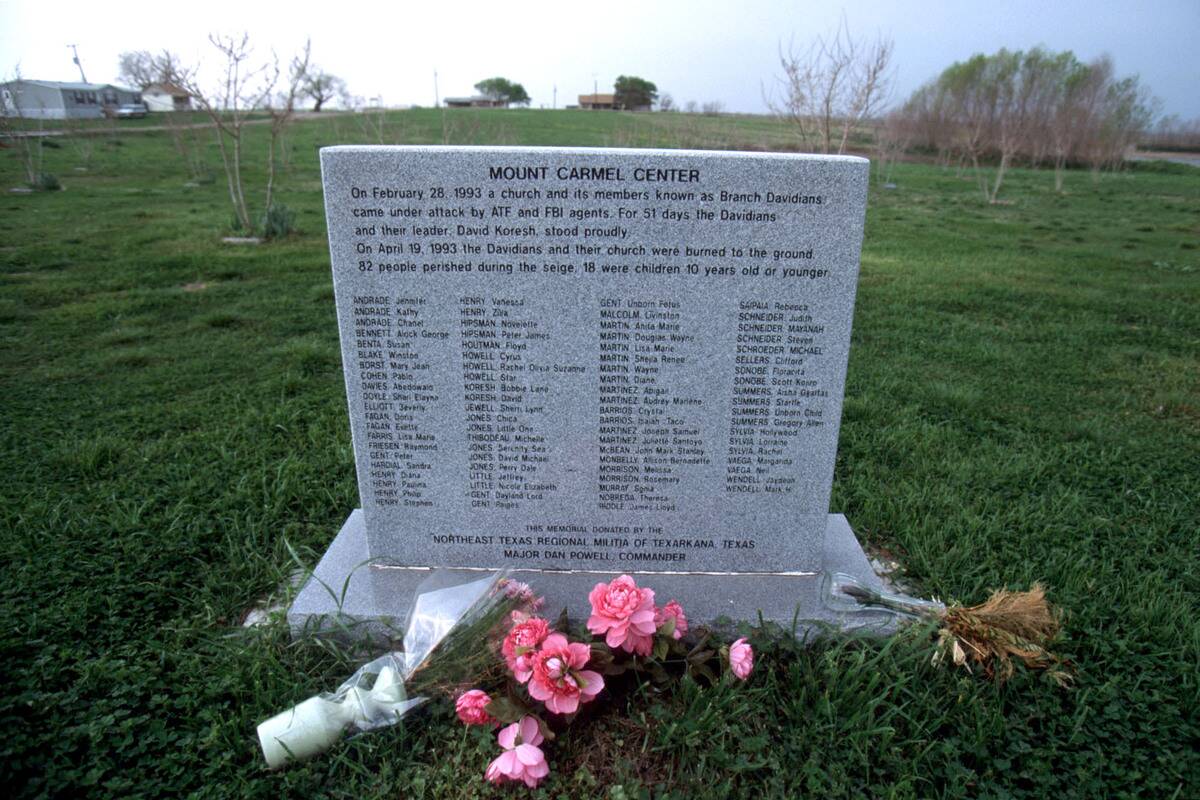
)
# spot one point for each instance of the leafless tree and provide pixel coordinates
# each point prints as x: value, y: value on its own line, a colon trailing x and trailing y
x: 1174, y: 133
x: 81, y: 139
x: 141, y: 68
x: 893, y: 136
x: 282, y: 108
x: 321, y: 87
x: 13, y: 126
x: 666, y: 103
x: 372, y: 117
x: 870, y: 84
x: 244, y: 87
x: 186, y: 137
x: 837, y: 82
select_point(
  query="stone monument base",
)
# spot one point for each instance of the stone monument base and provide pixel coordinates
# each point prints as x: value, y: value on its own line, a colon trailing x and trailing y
x: 348, y: 593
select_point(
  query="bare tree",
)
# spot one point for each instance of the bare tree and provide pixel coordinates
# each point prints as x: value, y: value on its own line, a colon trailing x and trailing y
x: 893, y: 136
x: 245, y: 86
x: 1173, y: 133
x: 373, y: 121
x: 838, y: 81
x: 79, y: 136
x: 870, y: 84
x: 141, y: 68
x: 322, y: 87
x: 186, y: 137
x: 12, y: 125
x: 282, y: 109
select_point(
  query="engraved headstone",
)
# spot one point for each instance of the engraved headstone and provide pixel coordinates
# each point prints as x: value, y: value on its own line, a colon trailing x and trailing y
x: 585, y: 362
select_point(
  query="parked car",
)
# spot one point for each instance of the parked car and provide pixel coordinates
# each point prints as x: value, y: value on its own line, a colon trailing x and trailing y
x: 131, y: 111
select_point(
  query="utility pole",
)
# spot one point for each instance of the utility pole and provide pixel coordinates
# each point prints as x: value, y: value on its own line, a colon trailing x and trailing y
x: 437, y: 101
x: 554, y: 105
x: 78, y: 63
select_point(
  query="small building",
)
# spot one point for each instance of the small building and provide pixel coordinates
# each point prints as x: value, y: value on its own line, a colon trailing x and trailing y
x: 166, y: 97
x: 598, y: 101
x: 61, y: 100
x: 474, y: 101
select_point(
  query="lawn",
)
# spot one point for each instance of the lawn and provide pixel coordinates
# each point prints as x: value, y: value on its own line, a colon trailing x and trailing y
x: 1023, y: 403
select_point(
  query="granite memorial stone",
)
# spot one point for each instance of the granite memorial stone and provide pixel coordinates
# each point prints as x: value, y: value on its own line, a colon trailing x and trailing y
x: 579, y: 363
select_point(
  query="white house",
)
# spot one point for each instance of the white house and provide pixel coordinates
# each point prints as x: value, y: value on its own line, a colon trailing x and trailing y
x: 166, y: 97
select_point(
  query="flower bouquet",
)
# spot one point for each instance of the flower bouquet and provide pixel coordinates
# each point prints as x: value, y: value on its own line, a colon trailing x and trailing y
x: 552, y: 672
x: 536, y: 677
x: 450, y: 618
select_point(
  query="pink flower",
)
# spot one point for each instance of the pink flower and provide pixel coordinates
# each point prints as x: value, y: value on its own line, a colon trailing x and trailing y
x: 741, y: 658
x: 671, y: 609
x: 516, y: 590
x: 624, y: 614
x: 559, y: 679
x: 522, y: 759
x: 520, y: 645
x: 521, y: 592
x: 471, y: 708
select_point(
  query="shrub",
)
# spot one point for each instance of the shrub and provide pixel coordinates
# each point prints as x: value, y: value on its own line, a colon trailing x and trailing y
x: 47, y: 182
x: 278, y: 222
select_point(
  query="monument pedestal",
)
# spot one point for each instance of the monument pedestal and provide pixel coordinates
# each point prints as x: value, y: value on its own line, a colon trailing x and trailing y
x: 347, y: 591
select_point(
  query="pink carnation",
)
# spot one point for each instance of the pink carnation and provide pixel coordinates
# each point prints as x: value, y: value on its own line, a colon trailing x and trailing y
x: 741, y: 658
x: 559, y: 678
x: 471, y: 708
x: 521, y: 644
x: 671, y: 609
x: 624, y: 613
x: 522, y: 759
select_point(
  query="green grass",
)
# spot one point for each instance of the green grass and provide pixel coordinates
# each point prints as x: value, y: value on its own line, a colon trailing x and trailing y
x: 1023, y: 403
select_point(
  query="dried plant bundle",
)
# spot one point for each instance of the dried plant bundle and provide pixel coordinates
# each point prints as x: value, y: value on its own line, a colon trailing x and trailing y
x: 1008, y: 626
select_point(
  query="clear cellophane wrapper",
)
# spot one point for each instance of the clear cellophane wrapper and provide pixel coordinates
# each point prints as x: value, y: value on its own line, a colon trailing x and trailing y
x: 447, y: 627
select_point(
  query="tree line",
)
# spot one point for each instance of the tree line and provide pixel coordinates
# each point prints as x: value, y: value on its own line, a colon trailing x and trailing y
x: 988, y: 113
x: 1034, y: 107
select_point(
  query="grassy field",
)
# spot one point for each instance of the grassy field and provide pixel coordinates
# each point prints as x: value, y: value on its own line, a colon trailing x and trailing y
x: 1023, y: 403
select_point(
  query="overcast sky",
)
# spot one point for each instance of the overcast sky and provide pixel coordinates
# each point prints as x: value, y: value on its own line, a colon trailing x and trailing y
x: 693, y: 49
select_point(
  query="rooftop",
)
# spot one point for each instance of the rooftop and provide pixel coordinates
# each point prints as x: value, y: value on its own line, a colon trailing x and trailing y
x: 75, y: 86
